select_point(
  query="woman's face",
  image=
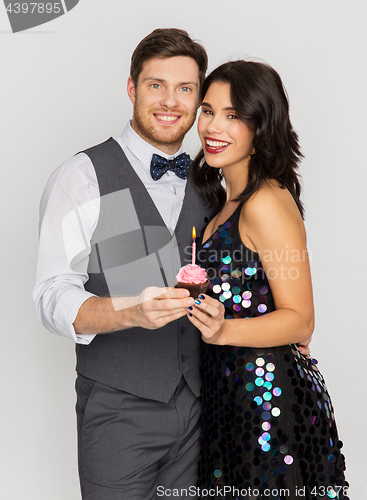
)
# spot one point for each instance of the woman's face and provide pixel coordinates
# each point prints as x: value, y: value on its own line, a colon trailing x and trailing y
x: 226, y: 140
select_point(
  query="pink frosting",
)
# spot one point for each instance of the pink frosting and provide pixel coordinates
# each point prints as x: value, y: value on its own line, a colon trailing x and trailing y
x: 191, y: 273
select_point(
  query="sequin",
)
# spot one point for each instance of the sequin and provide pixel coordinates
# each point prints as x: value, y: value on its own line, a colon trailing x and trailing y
x: 250, y: 366
x: 258, y: 400
x: 259, y: 382
x: 236, y: 273
x: 332, y: 493
x: 237, y: 299
x: 267, y: 396
x: 250, y: 271
x: 227, y: 260
x: 259, y: 372
x: 265, y: 436
x: 262, y: 308
x: 260, y: 362
x: 246, y: 295
x: 288, y: 459
x: 277, y: 391
x: 218, y: 473
x: 249, y: 387
x: 275, y: 412
x: 217, y: 289
x: 226, y: 287
x: 223, y: 234
x: 227, y: 224
x: 236, y: 307
x: 263, y: 290
x: 270, y: 367
x: 246, y: 303
x: 269, y: 377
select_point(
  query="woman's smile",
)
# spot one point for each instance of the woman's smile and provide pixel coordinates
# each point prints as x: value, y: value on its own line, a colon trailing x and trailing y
x: 213, y: 146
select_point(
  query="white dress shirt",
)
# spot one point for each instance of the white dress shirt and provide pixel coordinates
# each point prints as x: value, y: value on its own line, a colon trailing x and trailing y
x: 69, y: 212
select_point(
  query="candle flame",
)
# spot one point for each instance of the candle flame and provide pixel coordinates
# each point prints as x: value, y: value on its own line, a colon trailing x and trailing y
x: 193, y: 233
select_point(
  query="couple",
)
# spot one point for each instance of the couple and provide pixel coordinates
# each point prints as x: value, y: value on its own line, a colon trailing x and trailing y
x: 267, y: 419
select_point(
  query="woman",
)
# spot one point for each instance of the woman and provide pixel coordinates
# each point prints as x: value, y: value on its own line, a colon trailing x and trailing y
x: 268, y: 423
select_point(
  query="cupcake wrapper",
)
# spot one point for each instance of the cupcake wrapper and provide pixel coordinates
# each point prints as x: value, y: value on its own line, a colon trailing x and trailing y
x: 195, y: 289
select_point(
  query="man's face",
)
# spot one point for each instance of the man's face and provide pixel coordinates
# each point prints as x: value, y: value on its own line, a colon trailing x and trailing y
x: 165, y: 101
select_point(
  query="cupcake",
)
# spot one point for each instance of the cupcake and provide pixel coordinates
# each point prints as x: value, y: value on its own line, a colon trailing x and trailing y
x: 193, y: 278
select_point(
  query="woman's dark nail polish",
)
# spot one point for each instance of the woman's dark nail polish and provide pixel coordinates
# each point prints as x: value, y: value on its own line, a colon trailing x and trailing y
x: 190, y: 314
x: 197, y: 302
x: 201, y: 297
x: 189, y: 308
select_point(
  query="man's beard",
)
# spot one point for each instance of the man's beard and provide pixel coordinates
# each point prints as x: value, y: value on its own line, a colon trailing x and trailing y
x: 161, y: 138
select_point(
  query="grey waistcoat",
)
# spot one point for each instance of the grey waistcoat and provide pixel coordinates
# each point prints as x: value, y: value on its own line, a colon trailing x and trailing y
x: 131, y: 249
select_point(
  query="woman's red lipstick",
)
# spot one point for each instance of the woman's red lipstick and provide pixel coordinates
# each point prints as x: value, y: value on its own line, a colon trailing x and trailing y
x: 214, y: 146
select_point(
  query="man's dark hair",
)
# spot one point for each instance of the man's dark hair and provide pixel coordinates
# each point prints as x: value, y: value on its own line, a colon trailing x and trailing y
x: 167, y: 42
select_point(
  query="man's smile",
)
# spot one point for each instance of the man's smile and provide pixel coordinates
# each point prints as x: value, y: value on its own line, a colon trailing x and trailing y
x: 166, y: 118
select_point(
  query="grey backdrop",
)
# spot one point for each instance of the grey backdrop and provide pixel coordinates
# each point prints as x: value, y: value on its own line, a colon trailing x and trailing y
x: 63, y: 89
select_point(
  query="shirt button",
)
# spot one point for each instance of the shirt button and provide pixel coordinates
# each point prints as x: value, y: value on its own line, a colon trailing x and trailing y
x: 183, y: 358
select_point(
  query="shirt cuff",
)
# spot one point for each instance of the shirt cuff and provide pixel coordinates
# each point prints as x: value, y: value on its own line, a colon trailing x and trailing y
x: 66, y: 311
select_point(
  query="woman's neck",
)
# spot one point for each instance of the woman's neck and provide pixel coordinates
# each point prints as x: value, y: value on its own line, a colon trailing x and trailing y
x: 236, y: 179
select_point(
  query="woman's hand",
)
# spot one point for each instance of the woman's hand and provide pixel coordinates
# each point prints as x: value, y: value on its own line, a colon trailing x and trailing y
x: 207, y: 314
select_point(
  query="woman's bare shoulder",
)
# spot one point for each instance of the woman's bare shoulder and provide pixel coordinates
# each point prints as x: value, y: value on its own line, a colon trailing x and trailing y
x: 272, y: 205
x: 270, y: 197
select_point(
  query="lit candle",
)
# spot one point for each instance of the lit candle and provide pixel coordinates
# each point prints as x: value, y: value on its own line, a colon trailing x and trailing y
x: 193, y: 245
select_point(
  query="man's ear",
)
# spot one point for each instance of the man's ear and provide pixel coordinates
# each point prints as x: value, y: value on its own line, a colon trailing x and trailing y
x: 131, y: 92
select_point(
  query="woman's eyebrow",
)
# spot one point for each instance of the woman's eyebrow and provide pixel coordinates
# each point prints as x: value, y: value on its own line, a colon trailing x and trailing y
x: 224, y: 109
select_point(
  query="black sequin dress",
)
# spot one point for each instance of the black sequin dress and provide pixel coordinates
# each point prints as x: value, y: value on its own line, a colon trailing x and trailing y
x: 268, y: 423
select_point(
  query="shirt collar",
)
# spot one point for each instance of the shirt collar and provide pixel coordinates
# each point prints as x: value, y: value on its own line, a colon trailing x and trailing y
x: 142, y: 149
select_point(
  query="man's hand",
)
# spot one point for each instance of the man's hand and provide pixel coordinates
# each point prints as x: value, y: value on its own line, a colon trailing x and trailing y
x: 303, y: 347
x: 152, y: 309
x: 159, y: 306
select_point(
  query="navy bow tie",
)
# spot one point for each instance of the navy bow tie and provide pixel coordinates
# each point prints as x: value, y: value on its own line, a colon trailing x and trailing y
x: 179, y: 165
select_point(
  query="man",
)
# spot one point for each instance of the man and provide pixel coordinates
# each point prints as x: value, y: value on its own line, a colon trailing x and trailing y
x: 115, y: 221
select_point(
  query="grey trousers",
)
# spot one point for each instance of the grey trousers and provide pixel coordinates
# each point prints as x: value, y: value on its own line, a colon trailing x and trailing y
x: 130, y: 448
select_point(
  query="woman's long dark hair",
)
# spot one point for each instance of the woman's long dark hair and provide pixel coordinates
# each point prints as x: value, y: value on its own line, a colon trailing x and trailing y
x: 260, y: 101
